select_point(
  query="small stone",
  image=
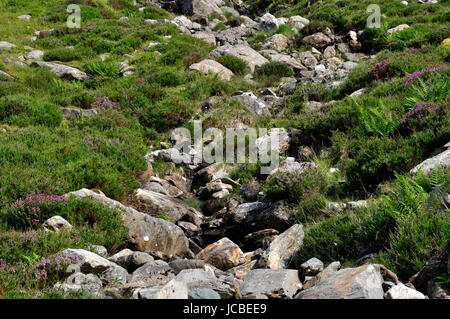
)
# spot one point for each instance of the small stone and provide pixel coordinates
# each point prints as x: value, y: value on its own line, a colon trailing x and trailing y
x: 25, y: 17
x: 311, y: 267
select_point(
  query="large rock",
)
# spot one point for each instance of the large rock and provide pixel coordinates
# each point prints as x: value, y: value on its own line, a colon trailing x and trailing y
x: 185, y: 25
x: 6, y: 45
x: 131, y: 260
x: 252, y: 103
x: 278, y: 41
x: 283, y: 250
x: 79, y: 282
x: 223, y: 254
x: 4, y: 75
x: 271, y: 283
x: 264, y: 146
x: 364, y: 282
x: 442, y: 160
x: 311, y: 267
x: 330, y: 270
x: 115, y: 276
x: 203, y: 293
x: 268, y: 22
x: 283, y: 58
x: 241, y: 213
x: 397, y: 29
x: 153, y: 273
x: 279, y: 216
x: 63, y: 71
x: 56, y: 224
x: 208, y: 37
x: 317, y: 40
x: 148, y: 234
x: 243, y: 52
x: 235, y: 35
x: 400, y: 291
x: 290, y: 166
x: 173, y: 208
x: 87, y: 261
x: 308, y: 59
x: 200, y: 7
x: 35, y: 55
x: 210, y: 66
x: 181, y: 264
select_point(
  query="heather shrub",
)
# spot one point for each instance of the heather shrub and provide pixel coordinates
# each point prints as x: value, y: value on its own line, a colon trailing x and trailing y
x: 23, y: 111
x: 295, y: 188
x: 236, y: 65
x: 274, y: 69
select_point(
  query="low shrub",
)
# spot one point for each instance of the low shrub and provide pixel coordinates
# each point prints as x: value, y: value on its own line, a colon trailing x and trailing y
x: 236, y: 65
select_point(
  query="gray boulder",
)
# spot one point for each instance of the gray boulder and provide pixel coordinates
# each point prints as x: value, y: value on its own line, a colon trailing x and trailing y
x: 270, y: 283
x: 63, y: 71
x: 364, y: 282
x: 56, y: 224
x: 210, y: 66
x: 311, y: 267
x: 153, y: 273
x: 427, y: 166
x: 241, y: 51
x: 6, y: 45
x: 180, y: 264
x: 79, y: 282
x: 199, y: 278
x: 115, y: 276
x: 283, y: 250
x: 252, y: 103
x: 148, y: 234
x: 87, y: 261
